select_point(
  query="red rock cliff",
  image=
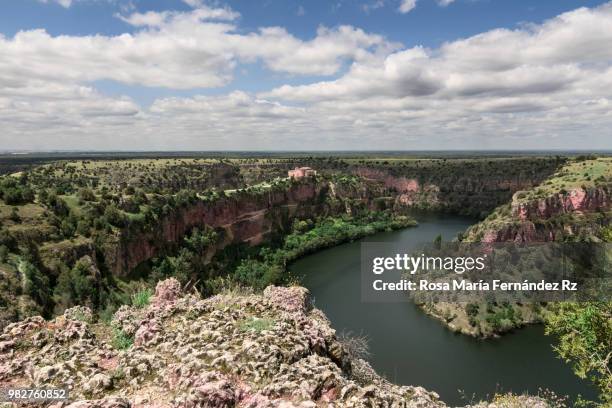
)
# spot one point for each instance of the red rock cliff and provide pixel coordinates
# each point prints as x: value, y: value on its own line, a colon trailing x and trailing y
x: 245, y: 217
x: 533, y: 217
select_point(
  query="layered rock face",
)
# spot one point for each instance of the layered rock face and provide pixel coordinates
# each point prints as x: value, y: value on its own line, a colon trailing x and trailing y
x: 245, y: 218
x: 578, y: 200
x: 231, y: 350
x: 462, y: 189
x: 532, y: 218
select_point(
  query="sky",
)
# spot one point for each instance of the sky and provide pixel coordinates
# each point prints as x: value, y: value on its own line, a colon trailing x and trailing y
x: 305, y: 75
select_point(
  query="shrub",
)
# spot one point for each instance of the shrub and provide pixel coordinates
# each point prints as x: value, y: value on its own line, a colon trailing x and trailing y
x: 355, y: 346
x: 76, y: 286
x: 121, y: 341
x: 86, y: 194
x: 36, y: 284
x: 256, y: 324
x: 472, y: 309
x: 15, y: 215
x: 13, y: 193
x: 114, y: 216
x: 3, y: 253
x: 583, y: 332
x: 68, y: 227
x: 142, y: 298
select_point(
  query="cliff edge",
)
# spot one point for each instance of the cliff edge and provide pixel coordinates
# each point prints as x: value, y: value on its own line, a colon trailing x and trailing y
x: 230, y: 350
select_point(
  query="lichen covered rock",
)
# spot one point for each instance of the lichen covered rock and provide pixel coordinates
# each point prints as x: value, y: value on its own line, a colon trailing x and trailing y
x: 231, y: 350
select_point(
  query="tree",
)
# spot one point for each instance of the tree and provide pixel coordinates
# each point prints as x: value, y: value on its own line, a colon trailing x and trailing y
x: 584, y: 331
x: 57, y: 205
x: 68, y: 227
x: 36, y: 284
x: 77, y: 286
x: 198, y: 241
x: 114, y: 216
x: 3, y: 253
x: 86, y: 194
x: 257, y: 274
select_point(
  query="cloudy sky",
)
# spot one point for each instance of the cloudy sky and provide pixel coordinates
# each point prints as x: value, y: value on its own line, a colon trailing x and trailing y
x: 310, y: 75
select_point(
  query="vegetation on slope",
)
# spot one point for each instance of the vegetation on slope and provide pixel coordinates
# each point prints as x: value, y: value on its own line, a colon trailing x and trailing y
x: 56, y: 239
x: 581, y: 173
x: 270, y: 265
x: 584, y: 333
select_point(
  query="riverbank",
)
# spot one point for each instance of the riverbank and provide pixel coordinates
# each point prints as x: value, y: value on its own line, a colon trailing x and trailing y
x: 409, y: 347
x: 269, y: 265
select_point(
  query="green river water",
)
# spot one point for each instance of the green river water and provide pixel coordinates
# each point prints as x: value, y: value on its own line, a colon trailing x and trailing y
x: 408, y: 347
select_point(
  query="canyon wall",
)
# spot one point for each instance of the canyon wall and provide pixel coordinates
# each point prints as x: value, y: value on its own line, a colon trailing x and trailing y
x: 244, y: 217
x: 552, y: 218
x: 471, y: 188
x: 252, y: 217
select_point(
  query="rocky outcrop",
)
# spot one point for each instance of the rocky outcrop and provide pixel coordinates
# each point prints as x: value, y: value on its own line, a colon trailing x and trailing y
x: 541, y: 220
x: 231, y: 350
x: 408, y: 192
x: 464, y: 187
x: 243, y: 217
x: 577, y: 200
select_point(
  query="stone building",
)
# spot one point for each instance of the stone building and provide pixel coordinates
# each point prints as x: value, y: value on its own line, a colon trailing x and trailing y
x: 301, y: 172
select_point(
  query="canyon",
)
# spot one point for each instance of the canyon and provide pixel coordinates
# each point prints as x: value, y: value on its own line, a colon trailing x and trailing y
x: 304, y: 360
x: 254, y: 217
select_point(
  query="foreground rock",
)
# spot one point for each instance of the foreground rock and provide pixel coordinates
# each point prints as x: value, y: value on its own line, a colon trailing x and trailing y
x: 230, y: 350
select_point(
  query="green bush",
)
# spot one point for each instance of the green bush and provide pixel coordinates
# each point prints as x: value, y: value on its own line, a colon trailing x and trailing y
x: 142, y: 298
x: 76, y: 286
x: 472, y: 309
x: 114, y: 216
x: 15, y: 215
x: 86, y: 194
x: 121, y: 341
x: 14, y: 193
x: 584, y: 334
x: 36, y: 284
x: 4, y: 251
x: 257, y: 325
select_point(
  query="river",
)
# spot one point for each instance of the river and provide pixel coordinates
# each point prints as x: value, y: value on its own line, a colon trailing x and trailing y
x: 408, y: 347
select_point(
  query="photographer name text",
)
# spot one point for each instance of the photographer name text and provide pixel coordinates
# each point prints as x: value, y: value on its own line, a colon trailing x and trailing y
x: 468, y: 286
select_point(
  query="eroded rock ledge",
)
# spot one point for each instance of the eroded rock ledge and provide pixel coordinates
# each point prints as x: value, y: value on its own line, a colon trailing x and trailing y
x: 230, y: 350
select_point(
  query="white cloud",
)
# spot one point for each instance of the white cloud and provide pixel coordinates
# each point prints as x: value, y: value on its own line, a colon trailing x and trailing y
x: 539, y: 86
x: 368, y: 7
x: 158, y: 19
x: 182, y: 50
x: 406, y: 6
x: 193, y: 3
x: 63, y: 3
x: 558, y: 55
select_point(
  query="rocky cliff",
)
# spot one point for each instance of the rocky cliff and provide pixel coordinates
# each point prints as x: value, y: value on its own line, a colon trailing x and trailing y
x: 464, y: 187
x: 231, y: 350
x: 578, y: 200
x: 573, y: 203
x: 471, y: 187
x: 244, y: 217
x: 577, y: 212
